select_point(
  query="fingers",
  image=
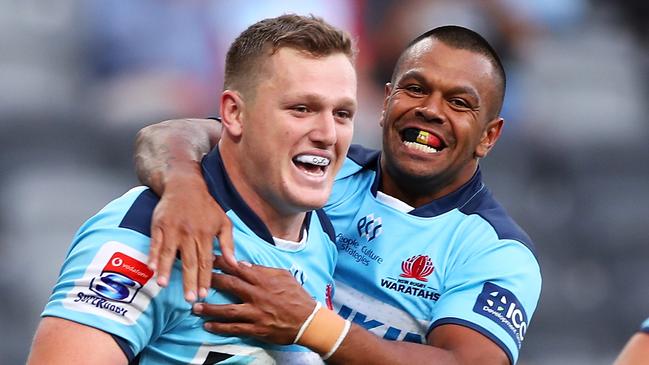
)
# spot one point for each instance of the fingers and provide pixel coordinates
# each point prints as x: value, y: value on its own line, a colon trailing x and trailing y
x: 237, y: 329
x: 255, y: 274
x: 234, y: 285
x: 226, y: 312
x: 154, y: 250
x: 204, y: 247
x: 234, y: 319
x: 226, y: 242
x: 190, y: 271
x: 166, y: 254
x: 224, y: 265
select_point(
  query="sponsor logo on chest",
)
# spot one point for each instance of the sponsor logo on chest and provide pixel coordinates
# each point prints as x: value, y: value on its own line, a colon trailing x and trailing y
x: 413, y: 278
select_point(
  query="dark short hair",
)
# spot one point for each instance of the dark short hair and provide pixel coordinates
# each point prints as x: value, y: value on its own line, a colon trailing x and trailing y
x: 462, y: 38
x: 308, y: 34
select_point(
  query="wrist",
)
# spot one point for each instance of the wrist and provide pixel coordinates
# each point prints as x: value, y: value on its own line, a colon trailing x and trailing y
x: 323, y: 331
x: 183, y: 175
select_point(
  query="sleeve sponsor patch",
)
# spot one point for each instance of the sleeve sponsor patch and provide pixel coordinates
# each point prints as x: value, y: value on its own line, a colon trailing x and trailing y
x: 116, y: 285
x: 121, y: 278
x: 501, y: 306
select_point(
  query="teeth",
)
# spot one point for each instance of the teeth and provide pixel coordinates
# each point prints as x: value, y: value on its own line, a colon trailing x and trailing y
x: 420, y: 147
x: 313, y: 160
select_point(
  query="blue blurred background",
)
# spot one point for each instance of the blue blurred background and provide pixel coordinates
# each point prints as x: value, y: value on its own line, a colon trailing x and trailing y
x: 79, y: 78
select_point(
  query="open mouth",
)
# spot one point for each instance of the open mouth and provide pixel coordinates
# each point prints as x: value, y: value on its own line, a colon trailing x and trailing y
x: 421, y: 140
x: 312, y: 164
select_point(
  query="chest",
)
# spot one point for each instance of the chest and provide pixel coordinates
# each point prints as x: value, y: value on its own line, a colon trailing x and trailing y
x: 392, y: 267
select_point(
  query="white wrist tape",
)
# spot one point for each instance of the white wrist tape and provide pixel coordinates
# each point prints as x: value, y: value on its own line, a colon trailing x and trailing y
x: 307, y: 322
x: 340, y: 339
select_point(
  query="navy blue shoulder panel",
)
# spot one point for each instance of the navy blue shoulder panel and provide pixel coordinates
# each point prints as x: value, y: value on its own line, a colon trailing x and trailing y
x: 326, y: 225
x: 123, y: 345
x: 484, y: 205
x: 138, y: 217
x: 364, y: 157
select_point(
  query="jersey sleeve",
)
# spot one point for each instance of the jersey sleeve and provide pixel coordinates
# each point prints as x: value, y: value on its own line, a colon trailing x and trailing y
x: 105, y: 283
x: 493, y: 291
x: 645, y: 326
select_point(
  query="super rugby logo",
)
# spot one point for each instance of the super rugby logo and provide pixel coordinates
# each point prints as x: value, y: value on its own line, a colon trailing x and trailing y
x: 417, y: 267
x: 121, y: 278
x: 369, y: 227
x: 502, y: 306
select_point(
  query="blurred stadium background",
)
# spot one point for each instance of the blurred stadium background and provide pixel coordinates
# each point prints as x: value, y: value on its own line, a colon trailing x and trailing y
x: 79, y: 78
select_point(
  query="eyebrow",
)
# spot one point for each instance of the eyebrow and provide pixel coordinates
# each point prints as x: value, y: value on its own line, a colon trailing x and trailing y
x: 414, y: 74
x: 345, y: 101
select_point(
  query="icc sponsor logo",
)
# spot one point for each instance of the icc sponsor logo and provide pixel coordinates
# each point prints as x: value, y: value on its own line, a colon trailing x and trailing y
x: 503, y: 307
x: 417, y: 267
x: 369, y: 227
x: 121, y: 278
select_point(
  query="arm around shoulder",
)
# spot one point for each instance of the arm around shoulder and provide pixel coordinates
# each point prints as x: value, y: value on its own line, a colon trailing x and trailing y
x: 161, y: 146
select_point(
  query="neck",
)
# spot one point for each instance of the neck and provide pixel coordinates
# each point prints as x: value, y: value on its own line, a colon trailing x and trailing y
x: 281, y: 223
x: 419, y: 191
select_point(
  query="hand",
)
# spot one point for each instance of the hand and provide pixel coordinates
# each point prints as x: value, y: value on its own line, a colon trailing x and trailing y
x: 274, y: 304
x: 186, y: 219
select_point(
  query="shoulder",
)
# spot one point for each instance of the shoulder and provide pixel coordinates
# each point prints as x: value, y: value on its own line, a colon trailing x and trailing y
x: 494, y: 215
x: 356, y: 175
x: 139, y: 212
x: 358, y: 158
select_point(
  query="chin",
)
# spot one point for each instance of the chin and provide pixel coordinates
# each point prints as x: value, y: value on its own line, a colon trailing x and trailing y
x: 310, y: 199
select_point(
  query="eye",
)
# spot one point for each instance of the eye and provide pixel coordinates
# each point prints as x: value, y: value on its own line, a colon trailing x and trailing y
x: 344, y: 114
x: 415, y: 89
x: 460, y: 103
x: 300, y: 108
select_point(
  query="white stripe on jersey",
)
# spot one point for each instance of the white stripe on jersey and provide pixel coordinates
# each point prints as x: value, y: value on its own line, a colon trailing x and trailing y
x: 377, y: 310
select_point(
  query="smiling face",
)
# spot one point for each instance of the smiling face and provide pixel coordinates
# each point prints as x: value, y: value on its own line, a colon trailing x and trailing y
x: 439, y: 117
x: 292, y: 136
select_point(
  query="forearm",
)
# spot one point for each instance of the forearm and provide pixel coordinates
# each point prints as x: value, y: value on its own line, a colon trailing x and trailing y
x: 363, y: 347
x: 174, y: 146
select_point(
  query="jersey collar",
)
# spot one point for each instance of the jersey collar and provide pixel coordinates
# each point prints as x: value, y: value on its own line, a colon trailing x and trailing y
x: 222, y: 190
x: 456, y: 199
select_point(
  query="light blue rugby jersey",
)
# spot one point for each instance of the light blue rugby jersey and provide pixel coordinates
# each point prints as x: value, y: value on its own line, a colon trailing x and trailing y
x: 645, y: 326
x: 105, y: 283
x: 457, y: 260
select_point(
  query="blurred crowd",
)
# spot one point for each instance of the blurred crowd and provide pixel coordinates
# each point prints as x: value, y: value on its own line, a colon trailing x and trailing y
x: 79, y: 78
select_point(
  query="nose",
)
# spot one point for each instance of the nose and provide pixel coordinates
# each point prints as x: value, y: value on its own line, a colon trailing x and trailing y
x: 324, y: 130
x: 430, y: 108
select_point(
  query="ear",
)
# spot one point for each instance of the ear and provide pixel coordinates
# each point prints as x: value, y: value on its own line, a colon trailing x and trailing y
x: 232, y: 108
x: 489, y: 137
x: 386, y: 97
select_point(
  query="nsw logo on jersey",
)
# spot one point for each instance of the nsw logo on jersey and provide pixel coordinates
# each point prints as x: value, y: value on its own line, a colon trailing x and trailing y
x: 369, y: 227
x: 502, y: 306
x: 121, y: 278
x: 417, y: 267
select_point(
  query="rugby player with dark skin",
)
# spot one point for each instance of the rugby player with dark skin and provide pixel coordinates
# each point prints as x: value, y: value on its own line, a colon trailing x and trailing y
x: 453, y: 90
